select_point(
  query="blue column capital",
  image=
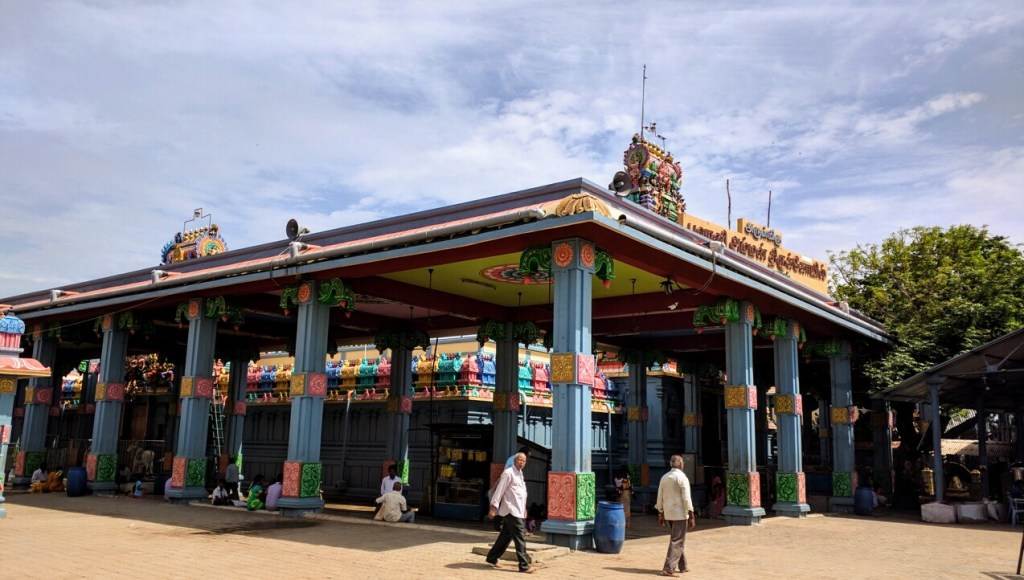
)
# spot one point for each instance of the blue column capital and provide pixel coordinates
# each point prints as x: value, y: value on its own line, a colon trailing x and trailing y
x: 573, y: 253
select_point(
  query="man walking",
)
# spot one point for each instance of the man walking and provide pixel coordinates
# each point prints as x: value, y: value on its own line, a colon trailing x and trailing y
x: 676, y: 509
x: 509, y: 502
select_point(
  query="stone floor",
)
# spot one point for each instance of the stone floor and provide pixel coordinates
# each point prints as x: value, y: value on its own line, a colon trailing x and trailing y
x: 54, y: 536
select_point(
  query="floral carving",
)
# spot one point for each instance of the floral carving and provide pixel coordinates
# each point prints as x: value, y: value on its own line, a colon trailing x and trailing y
x: 561, y: 495
x: 587, y: 255
x: 563, y: 367
x: 292, y: 478
x: 90, y: 467
x: 106, y: 467
x: 194, y: 308
x: 240, y: 408
x: 586, y: 500
x: 178, y: 472
x: 316, y: 385
x: 786, y: 487
x: 196, y: 474
x: 585, y: 369
x: 305, y: 293
x: 843, y: 483
x: 562, y: 254
x: 204, y: 387
x: 310, y: 486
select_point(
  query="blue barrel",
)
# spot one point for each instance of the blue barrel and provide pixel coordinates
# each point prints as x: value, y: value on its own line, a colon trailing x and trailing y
x: 864, y: 501
x: 76, y: 482
x: 610, y: 527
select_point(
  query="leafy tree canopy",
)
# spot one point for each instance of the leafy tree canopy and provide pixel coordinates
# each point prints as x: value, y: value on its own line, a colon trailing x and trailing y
x: 938, y: 292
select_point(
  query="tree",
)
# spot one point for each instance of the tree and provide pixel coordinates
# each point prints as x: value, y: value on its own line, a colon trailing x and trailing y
x: 938, y: 292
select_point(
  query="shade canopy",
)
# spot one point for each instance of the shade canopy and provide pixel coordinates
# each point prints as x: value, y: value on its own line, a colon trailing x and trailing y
x: 994, y: 370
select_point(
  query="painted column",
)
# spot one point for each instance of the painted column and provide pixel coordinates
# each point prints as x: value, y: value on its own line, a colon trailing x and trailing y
x: 881, y: 434
x: 824, y: 433
x: 8, y: 389
x: 571, y: 483
x: 303, y: 470
x: 982, y: 427
x: 637, y: 414
x: 506, y: 400
x: 399, y: 412
x: 101, y: 463
x: 188, y: 476
x: 843, y: 415
x: 38, y: 397
x: 692, y: 419
x: 236, y: 425
x: 790, y: 483
x: 743, y: 482
x: 935, y: 417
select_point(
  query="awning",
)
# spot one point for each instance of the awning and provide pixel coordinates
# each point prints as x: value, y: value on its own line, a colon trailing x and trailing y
x: 21, y: 367
x: 995, y: 369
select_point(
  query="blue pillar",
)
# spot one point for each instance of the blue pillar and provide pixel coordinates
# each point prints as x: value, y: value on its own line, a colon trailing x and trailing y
x: 692, y: 419
x: 8, y: 388
x: 101, y: 463
x: 236, y: 425
x: 571, y: 483
x: 636, y: 422
x: 399, y: 412
x: 790, y: 483
x: 505, y: 407
x: 188, y: 477
x: 743, y: 482
x: 935, y: 417
x: 303, y: 470
x: 38, y: 398
x: 843, y: 415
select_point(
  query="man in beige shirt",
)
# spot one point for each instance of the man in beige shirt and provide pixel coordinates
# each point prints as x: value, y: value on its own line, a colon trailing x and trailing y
x: 676, y: 509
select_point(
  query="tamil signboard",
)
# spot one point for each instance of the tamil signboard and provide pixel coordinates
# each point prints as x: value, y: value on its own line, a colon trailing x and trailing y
x: 763, y: 245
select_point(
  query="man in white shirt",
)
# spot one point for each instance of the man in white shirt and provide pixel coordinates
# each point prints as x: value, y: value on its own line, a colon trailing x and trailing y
x: 39, y: 475
x: 388, y: 483
x: 676, y: 509
x: 393, y: 507
x: 509, y: 502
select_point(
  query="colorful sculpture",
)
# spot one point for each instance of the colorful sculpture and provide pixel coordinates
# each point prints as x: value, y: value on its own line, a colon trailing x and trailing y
x: 655, y: 179
x: 194, y: 242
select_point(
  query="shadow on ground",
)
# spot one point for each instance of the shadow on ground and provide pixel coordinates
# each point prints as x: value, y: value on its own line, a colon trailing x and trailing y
x: 194, y: 520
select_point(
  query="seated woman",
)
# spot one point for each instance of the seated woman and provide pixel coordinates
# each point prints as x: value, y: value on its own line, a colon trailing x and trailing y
x: 257, y: 498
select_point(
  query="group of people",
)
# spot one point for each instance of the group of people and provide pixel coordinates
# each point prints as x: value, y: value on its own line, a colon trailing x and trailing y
x: 260, y: 496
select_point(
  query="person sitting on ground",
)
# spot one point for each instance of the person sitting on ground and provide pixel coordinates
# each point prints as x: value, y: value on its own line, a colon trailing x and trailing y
x: 38, y: 481
x: 393, y: 507
x: 231, y: 478
x: 220, y: 496
x: 257, y: 496
x: 274, y: 492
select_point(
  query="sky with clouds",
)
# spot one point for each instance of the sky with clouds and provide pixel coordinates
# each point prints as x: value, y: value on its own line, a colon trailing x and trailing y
x: 117, y: 119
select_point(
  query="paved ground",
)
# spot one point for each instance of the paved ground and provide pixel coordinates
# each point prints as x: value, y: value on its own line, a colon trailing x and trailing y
x: 58, y: 537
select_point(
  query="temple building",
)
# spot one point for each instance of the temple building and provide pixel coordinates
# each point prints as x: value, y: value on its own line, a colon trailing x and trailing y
x: 604, y: 330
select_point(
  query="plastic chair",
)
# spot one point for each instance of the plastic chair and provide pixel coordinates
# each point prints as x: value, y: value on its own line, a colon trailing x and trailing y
x: 1016, y: 507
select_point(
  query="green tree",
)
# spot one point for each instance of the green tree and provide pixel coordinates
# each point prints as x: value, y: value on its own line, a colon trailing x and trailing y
x: 938, y: 292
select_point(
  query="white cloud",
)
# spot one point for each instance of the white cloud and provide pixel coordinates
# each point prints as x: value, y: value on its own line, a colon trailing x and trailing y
x: 116, y: 122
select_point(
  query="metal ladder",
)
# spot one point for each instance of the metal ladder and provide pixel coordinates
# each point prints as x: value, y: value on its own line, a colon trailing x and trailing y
x: 217, y: 420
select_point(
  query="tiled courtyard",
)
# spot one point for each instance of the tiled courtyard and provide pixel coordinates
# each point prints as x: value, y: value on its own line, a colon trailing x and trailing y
x: 59, y: 537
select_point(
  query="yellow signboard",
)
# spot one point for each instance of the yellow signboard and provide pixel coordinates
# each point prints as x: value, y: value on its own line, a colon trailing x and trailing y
x: 763, y: 245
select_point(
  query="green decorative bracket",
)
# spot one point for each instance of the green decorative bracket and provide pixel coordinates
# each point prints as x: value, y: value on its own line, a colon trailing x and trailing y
x: 401, y: 339
x: 724, y: 311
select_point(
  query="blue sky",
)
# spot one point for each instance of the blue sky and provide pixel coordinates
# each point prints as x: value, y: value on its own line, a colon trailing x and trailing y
x: 862, y: 118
